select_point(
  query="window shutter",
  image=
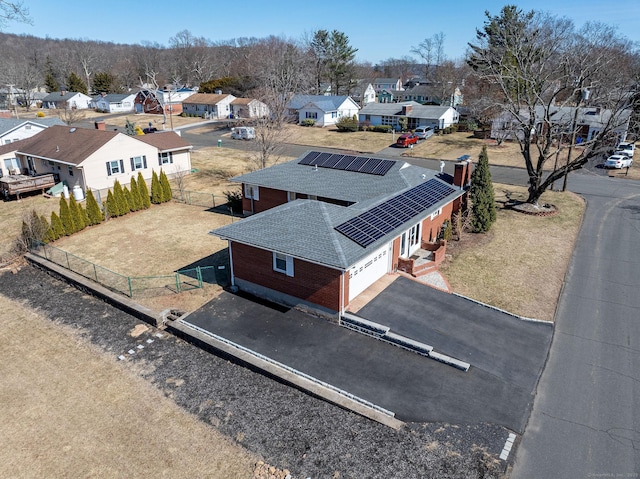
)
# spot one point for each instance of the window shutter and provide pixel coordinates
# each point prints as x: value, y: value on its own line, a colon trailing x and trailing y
x: 289, y: 265
x: 133, y: 165
x: 159, y: 159
x: 170, y: 157
x: 144, y: 161
x: 108, y: 168
x: 121, y: 166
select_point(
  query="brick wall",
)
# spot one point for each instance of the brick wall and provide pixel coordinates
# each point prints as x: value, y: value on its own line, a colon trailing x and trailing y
x: 268, y: 198
x: 311, y: 282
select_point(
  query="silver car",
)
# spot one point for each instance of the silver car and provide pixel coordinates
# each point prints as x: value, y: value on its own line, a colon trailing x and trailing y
x: 423, y: 132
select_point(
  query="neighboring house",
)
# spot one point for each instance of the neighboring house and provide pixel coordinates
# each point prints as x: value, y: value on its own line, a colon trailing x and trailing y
x: 94, y: 159
x: 389, y: 96
x: 431, y: 95
x: 13, y: 129
x: 248, y: 108
x: 324, y: 110
x: 115, y: 102
x: 327, y: 226
x: 437, y: 117
x: 67, y: 100
x: 390, y: 84
x: 161, y: 102
x: 209, y: 105
x: 363, y: 93
x: 589, y: 122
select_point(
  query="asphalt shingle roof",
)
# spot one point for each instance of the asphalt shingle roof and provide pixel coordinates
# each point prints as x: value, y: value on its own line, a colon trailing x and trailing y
x: 324, y: 102
x: 164, y: 140
x: 9, y: 124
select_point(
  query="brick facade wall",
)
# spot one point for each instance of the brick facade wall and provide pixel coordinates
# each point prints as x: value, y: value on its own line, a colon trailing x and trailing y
x: 268, y: 198
x: 310, y: 282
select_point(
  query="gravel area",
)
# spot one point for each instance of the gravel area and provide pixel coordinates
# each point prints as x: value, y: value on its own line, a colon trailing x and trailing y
x: 288, y: 428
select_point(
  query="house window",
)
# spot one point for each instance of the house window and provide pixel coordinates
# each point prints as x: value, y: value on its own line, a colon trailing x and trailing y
x: 138, y: 162
x: 115, y: 167
x: 388, y: 120
x: 311, y: 114
x: 7, y: 141
x: 251, y: 192
x: 165, y: 158
x: 291, y: 196
x: 334, y: 114
x: 70, y: 170
x: 283, y: 263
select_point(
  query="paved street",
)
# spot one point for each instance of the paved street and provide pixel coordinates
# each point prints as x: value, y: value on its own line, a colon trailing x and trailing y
x: 586, y: 416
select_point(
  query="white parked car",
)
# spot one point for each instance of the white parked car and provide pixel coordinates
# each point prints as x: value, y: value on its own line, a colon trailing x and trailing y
x: 626, y: 148
x: 618, y: 161
x: 423, y: 132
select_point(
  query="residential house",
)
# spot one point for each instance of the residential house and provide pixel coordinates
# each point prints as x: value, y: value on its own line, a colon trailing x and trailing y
x: 326, y: 226
x: 14, y: 129
x: 324, y: 110
x: 389, y: 84
x: 363, y: 93
x: 587, y: 122
x: 437, y: 117
x: 248, y: 108
x: 161, y: 102
x: 67, y: 100
x: 209, y: 105
x: 115, y: 102
x: 431, y: 95
x: 94, y: 159
x: 389, y: 96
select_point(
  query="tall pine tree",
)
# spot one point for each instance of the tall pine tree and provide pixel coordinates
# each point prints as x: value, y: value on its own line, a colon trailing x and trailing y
x: 56, y: 225
x: 112, y: 206
x: 166, y: 187
x: 483, y: 205
x: 156, y: 189
x: 136, y: 199
x: 121, y: 201
x: 65, y: 217
x: 93, y: 209
x: 76, y: 214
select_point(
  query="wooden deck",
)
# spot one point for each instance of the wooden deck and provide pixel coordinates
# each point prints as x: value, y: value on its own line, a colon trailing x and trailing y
x: 15, y: 185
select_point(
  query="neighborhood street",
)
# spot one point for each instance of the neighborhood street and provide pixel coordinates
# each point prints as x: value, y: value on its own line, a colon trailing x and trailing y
x: 586, y: 416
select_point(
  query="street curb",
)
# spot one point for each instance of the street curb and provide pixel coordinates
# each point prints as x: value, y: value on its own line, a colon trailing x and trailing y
x: 495, y: 308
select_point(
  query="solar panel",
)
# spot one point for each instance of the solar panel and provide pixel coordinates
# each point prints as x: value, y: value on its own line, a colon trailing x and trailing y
x: 380, y: 220
x: 360, y: 164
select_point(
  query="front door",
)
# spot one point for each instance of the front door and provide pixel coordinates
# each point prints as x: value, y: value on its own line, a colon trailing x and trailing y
x: 410, y: 241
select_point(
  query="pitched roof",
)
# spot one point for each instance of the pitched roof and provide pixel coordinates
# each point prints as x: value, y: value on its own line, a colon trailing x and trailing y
x: 417, y: 110
x: 10, y: 124
x: 295, y: 220
x: 164, y: 140
x: 206, y: 98
x: 113, y: 97
x: 325, y: 102
x: 341, y: 185
x: 58, y: 96
x: 66, y: 144
x: 243, y: 101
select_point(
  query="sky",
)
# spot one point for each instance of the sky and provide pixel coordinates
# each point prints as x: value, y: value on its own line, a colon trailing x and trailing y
x: 379, y: 30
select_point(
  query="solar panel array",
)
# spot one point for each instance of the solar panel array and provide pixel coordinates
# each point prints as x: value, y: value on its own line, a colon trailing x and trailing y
x: 380, y: 220
x: 360, y: 164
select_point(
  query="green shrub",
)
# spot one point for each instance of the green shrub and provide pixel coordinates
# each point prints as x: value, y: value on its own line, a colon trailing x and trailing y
x: 234, y: 200
x: 65, y: 217
x: 166, y: 187
x: 93, y: 210
x: 347, y: 124
x: 56, y: 226
x: 156, y: 189
x: 40, y: 114
x: 382, y: 128
x: 121, y: 200
x: 76, y: 214
x: 128, y: 198
x: 136, y: 200
x: 144, y: 191
x: 112, y: 206
x: 308, y: 122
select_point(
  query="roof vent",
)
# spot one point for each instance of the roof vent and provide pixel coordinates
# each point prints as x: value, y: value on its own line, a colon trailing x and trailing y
x: 72, y: 130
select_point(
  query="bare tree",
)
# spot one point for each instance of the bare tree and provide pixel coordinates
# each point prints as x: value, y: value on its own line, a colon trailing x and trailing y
x: 70, y: 115
x: 89, y: 57
x: 268, y: 143
x: 540, y: 64
x: 13, y: 11
x: 431, y: 51
x: 25, y: 77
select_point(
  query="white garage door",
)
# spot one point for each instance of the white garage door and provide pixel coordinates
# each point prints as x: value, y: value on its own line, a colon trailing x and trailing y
x: 368, y: 271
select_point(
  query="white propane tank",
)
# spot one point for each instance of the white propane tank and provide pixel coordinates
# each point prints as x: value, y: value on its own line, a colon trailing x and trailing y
x: 78, y: 194
x: 65, y: 191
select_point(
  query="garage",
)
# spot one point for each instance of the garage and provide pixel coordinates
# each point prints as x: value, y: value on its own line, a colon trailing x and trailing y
x: 367, y: 271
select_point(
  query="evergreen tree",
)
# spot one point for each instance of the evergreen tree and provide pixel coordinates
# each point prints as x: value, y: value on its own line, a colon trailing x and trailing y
x: 50, y: 80
x: 84, y: 215
x: 121, y: 201
x: 56, y: 226
x: 76, y: 215
x: 49, y: 234
x: 112, y: 206
x: 75, y: 84
x: 156, y: 189
x: 144, y: 191
x: 136, y: 199
x: 65, y: 217
x: 128, y: 199
x: 482, y: 197
x: 105, y: 82
x: 166, y: 187
x: 93, y: 210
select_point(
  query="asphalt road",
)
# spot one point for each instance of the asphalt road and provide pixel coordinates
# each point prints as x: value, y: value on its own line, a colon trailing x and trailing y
x: 586, y: 416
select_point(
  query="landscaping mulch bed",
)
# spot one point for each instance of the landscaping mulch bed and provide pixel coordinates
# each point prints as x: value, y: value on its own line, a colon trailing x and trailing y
x: 288, y: 428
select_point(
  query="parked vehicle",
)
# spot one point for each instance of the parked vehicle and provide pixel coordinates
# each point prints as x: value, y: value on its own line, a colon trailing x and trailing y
x: 406, y: 139
x: 243, y: 133
x: 626, y: 148
x: 423, y: 132
x: 618, y: 161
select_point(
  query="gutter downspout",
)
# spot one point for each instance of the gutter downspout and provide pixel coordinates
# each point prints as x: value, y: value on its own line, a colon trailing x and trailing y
x: 233, y: 279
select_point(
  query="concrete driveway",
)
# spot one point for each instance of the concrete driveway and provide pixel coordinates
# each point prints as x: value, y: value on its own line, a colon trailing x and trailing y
x: 497, y: 389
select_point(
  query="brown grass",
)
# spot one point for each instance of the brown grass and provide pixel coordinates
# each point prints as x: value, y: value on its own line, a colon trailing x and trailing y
x: 520, y: 264
x: 69, y: 410
x: 330, y: 137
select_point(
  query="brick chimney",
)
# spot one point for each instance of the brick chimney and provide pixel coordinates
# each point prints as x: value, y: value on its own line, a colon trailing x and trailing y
x: 407, y: 109
x: 462, y: 172
x: 100, y: 125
